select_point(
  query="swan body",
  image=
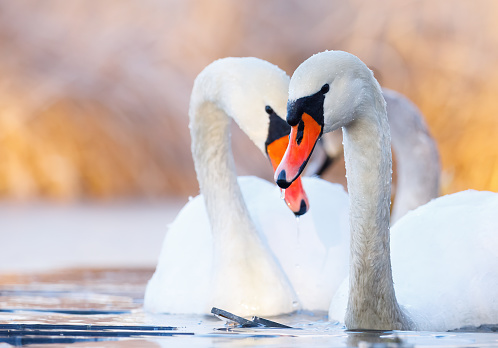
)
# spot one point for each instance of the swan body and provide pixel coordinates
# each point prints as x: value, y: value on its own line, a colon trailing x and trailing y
x: 443, y: 280
x: 335, y: 89
x: 237, y: 246
x: 182, y: 282
x: 315, y: 263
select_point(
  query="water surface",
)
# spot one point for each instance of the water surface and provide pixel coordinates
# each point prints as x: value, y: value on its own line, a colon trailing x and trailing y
x: 103, y: 307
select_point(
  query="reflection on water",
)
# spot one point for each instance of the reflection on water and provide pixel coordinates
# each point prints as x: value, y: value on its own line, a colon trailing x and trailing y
x: 86, y: 307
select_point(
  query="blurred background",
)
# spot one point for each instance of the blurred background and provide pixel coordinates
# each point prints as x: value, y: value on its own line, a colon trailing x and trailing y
x: 94, y: 94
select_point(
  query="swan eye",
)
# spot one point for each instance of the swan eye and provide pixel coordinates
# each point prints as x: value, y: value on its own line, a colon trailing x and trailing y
x: 325, y: 88
x: 268, y: 109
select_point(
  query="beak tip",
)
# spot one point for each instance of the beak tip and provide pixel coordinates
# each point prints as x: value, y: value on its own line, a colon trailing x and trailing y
x: 282, y: 180
x: 303, y: 209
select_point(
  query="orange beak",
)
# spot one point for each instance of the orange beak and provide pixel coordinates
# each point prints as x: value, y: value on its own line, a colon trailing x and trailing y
x: 295, y: 197
x: 303, y: 138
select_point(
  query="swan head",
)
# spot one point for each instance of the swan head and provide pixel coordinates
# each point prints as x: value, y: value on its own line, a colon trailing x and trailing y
x: 325, y: 93
x: 253, y: 92
x: 276, y: 143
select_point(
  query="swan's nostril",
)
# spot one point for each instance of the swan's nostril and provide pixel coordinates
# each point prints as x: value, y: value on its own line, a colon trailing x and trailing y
x: 302, y: 209
x: 300, y: 132
x: 282, y: 180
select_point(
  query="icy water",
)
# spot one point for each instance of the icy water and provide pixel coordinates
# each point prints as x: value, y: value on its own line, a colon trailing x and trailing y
x: 103, y: 308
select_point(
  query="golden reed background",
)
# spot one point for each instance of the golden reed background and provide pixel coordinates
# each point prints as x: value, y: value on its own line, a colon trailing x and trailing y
x: 94, y: 94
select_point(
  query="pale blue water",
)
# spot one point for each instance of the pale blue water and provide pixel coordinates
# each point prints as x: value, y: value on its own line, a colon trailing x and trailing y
x: 102, y: 308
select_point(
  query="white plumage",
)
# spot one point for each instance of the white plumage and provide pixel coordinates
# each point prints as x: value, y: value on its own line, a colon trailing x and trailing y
x: 235, y: 246
x: 444, y: 254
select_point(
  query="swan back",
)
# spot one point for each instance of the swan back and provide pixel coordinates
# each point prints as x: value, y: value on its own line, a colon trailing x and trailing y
x: 445, y: 261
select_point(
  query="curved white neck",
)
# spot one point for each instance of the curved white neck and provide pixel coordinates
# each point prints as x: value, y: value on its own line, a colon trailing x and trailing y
x: 372, y: 303
x: 214, y: 164
x: 245, y: 275
x: 225, y: 90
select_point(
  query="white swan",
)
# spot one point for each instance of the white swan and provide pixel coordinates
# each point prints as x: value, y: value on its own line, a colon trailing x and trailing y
x: 418, y: 166
x: 216, y: 251
x: 444, y: 254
